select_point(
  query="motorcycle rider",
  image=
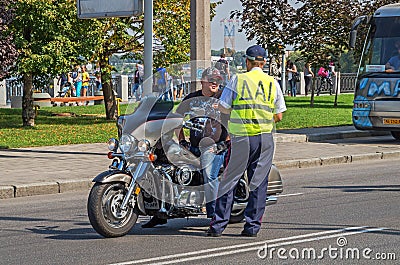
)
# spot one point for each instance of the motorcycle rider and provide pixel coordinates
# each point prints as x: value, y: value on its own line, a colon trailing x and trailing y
x: 255, y: 101
x: 208, y: 144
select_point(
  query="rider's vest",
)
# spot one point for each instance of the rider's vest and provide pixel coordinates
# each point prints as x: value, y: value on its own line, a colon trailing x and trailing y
x: 252, y: 110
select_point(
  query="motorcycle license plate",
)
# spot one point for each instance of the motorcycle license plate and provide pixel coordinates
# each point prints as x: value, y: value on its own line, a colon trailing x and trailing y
x: 391, y: 121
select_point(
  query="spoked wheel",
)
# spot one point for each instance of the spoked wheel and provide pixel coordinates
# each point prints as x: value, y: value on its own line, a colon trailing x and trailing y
x: 241, y: 195
x: 105, y: 213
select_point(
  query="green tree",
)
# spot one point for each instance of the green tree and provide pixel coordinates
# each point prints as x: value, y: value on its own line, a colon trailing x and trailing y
x: 172, y: 31
x: 49, y: 38
x: 8, y: 51
x: 114, y: 35
x: 269, y: 22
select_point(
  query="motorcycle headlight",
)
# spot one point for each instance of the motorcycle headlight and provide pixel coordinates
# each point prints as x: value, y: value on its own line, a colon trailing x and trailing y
x: 112, y: 144
x: 143, y: 146
x: 127, y: 144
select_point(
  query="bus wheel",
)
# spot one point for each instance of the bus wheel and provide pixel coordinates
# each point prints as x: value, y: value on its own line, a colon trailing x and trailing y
x: 396, y: 134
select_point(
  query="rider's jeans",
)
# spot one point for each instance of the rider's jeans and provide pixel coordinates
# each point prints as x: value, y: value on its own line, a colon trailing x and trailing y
x: 211, y: 164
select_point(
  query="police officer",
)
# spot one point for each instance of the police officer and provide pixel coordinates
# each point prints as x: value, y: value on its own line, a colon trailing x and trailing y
x: 255, y: 101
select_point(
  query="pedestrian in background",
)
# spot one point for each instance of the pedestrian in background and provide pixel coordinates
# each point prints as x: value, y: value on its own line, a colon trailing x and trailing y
x: 170, y: 87
x: 292, y: 71
x: 160, y: 82
x: 308, y: 77
x: 137, y: 83
x: 178, y: 86
x: 85, y: 81
x: 254, y: 101
x: 99, y: 86
x: 275, y: 70
x: 77, y: 79
x: 223, y: 66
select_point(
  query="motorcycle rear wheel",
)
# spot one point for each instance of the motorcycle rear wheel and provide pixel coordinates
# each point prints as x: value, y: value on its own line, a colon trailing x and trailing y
x: 104, y: 211
x: 241, y: 195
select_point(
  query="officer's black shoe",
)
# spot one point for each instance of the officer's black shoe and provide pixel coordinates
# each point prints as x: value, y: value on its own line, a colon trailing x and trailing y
x: 154, y: 221
x: 247, y: 234
x: 212, y: 233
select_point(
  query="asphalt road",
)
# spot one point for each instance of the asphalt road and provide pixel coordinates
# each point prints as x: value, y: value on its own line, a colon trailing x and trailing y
x: 336, y: 211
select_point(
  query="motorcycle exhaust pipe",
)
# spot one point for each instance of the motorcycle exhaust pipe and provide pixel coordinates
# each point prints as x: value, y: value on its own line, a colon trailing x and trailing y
x: 271, y: 200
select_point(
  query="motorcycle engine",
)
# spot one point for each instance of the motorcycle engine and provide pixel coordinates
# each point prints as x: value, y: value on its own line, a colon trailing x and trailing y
x: 184, y: 175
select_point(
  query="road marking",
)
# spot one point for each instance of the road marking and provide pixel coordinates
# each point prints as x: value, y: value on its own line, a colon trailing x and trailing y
x: 254, y: 246
x: 288, y: 195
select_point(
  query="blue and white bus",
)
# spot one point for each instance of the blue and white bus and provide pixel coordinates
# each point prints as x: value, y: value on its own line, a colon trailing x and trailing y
x: 377, y: 94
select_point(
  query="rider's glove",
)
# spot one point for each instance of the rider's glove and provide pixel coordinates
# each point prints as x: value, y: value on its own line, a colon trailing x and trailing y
x: 221, y: 146
x: 184, y: 143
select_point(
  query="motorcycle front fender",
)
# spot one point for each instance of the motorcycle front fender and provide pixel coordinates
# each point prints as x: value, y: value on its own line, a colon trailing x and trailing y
x: 113, y: 176
x: 120, y: 176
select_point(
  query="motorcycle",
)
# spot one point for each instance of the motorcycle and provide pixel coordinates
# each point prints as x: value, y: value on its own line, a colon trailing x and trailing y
x: 152, y: 174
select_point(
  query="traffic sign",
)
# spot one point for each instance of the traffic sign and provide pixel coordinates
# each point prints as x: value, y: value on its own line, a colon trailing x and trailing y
x: 107, y: 8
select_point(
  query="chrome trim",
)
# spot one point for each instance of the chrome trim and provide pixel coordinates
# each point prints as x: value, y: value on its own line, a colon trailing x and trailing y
x: 140, y: 170
x: 271, y: 200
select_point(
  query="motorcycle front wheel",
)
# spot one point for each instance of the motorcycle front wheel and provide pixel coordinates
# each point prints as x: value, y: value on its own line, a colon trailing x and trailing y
x: 105, y: 214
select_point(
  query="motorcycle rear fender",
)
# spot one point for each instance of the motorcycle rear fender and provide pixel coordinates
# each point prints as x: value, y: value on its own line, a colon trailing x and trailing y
x: 275, y: 184
x: 119, y: 176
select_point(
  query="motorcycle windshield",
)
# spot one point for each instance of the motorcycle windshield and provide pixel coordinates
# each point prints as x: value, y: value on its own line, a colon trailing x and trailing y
x: 150, y: 109
x: 167, y: 85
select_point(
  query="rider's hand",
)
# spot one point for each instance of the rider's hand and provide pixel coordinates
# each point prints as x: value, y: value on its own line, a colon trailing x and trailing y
x: 184, y: 143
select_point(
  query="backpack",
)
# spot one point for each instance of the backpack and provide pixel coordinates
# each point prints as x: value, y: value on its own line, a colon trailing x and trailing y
x: 74, y: 74
x: 322, y: 72
x: 296, y: 76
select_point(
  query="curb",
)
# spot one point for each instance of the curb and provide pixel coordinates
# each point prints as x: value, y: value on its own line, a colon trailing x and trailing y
x: 8, y: 192
x: 326, y: 161
x: 44, y: 188
x: 344, y: 135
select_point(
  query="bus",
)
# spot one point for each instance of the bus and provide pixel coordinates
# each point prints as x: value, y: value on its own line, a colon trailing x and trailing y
x: 377, y: 93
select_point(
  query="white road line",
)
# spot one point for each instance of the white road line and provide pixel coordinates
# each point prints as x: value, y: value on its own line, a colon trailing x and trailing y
x: 232, y: 252
x: 250, y: 246
x: 288, y: 195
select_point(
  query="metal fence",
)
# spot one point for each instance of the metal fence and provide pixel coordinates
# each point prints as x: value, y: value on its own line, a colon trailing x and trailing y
x: 14, y: 86
x: 347, y: 83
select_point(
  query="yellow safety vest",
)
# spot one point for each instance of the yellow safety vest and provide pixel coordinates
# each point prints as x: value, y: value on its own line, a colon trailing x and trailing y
x: 253, y: 108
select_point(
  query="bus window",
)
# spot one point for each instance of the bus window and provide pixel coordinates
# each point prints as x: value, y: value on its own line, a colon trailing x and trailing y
x: 380, y: 44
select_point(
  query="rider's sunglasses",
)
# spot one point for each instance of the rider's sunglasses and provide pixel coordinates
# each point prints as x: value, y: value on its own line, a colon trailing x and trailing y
x: 215, y: 81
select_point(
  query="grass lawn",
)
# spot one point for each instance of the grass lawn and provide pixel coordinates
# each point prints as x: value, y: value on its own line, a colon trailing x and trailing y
x: 88, y: 124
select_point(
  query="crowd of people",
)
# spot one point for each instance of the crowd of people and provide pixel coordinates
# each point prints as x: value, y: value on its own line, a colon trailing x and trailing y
x: 293, y: 77
x: 76, y: 82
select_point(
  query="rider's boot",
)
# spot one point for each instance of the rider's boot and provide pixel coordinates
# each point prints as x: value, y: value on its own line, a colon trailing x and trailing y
x: 154, y: 221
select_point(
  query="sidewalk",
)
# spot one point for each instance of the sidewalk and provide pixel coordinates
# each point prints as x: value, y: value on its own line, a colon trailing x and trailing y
x: 57, y: 169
